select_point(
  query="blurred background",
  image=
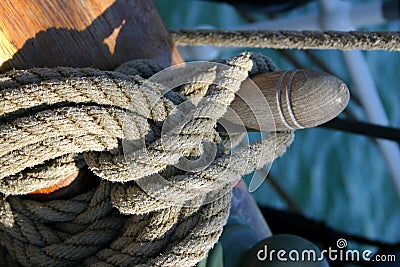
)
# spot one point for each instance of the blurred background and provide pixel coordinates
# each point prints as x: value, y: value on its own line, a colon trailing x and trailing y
x: 347, y: 181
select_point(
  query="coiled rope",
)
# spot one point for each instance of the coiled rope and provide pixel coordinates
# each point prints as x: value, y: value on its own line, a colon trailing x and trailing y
x: 55, y: 121
x: 379, y: 40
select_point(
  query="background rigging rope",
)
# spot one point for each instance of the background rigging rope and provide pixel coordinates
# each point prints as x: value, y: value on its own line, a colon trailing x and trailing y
x: 380, y: 40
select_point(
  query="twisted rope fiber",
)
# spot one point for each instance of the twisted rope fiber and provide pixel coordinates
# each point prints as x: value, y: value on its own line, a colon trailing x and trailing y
x: 53, y: 121
x: 379, y: 40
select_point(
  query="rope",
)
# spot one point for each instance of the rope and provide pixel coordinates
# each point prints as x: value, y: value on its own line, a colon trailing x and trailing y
x: 55, y: 121
x: 380, y: 40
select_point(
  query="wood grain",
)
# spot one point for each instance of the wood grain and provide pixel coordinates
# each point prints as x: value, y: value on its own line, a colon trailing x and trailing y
x: 81, y: 33
x: 288, y: 100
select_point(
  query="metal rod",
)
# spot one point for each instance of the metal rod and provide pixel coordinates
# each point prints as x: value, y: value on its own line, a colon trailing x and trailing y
x: 363, y: 128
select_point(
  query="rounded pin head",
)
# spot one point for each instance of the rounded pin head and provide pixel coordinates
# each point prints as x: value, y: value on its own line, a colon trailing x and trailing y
x: 294, y: 99
x: 302, y: 98
x: 314, y: 97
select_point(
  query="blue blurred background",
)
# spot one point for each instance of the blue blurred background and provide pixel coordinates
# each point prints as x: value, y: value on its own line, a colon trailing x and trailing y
x: 335, y: 177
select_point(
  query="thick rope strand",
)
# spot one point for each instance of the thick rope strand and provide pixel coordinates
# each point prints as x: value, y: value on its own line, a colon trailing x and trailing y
x: 53, y: 121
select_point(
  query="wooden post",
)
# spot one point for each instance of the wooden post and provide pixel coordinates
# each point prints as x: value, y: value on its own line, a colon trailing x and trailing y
x: 82, y: 33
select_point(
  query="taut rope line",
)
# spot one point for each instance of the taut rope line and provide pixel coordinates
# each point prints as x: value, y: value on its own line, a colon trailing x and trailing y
x: 380, y: 40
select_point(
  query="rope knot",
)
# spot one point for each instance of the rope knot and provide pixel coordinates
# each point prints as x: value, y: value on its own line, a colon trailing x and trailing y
x: 166, y: 173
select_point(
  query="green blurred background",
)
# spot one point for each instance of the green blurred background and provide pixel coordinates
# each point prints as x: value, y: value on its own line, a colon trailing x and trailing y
x: 332, y: 176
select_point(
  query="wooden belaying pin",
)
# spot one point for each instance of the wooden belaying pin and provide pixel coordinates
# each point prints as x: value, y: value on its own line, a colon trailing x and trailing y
x: 276, y: 101
x: 288, y: 100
